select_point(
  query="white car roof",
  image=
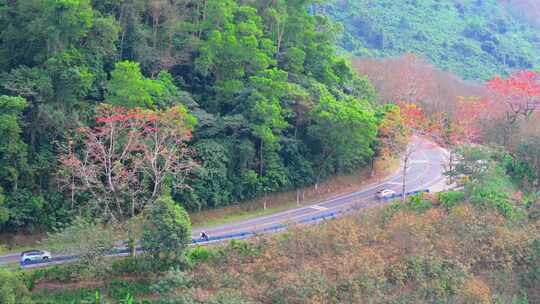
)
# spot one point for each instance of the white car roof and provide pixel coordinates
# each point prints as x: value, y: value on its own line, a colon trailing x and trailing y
x: 33, y: 252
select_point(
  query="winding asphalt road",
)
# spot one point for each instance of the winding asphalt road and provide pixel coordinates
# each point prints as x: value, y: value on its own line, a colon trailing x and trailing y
x: 425, y: 172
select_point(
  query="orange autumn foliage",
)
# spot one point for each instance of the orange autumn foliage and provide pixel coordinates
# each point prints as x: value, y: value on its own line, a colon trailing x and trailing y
x: 466, y: 127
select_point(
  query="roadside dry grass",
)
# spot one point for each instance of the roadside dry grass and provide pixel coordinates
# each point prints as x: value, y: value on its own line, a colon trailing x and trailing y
x: 392, y: 254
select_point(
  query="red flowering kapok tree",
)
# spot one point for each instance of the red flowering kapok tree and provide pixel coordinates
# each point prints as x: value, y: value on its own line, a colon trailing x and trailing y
x: 121, y: 164
x: 465, y: 127
x: 417, y: 122
x: 515, y: 97
x: 393, y: 136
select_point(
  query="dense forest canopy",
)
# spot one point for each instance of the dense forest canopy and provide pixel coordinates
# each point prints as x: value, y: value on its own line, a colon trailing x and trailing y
x: 475, y: 39
x: 275, y: 107
x: 265, y: 101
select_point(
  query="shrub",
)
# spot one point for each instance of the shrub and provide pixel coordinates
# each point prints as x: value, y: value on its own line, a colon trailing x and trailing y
x: 438, y: 278
x: 389, y: 212
x: 520, y: 300
x: 82, y: 295
x: 58, y: 273
x: 127, y: 265
x: 173, y: 279
x: 534, y: 212
x: 242, y: 248
x: 237, y: 248
x: 419, y: 204
x: 120, y: 289
x: 450, y: 199
x: 474, y: 291
x: 530, y: 279
x: 12, y: 289
x: 197, y: 255
x: 493, y: 190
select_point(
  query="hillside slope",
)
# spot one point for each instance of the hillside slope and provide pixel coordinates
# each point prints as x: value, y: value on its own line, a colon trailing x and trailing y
x: 274, y: 102
x: 401, y: 254
x: 475, y: 39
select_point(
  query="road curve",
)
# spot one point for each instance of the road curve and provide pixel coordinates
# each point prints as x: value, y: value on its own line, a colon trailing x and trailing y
x: 425, y: 172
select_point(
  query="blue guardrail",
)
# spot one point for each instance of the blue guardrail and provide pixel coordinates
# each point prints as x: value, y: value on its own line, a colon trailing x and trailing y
x: 239, y: 235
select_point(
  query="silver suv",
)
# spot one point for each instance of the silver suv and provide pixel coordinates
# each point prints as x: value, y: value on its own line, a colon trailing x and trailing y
x: 35, y: 255
x: 385, y: 193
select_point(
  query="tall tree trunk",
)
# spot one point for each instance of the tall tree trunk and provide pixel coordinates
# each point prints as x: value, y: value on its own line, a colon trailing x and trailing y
x: 120, y: 18
x: 131, y: 234
x: 261, y: 165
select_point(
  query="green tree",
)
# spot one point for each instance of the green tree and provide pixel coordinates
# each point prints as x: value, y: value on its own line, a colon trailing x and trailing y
x: 4, y: 212
x: 39, y: 29
x: 67, y: 20
x: 250, y: 71
x: 12, y: 289
x: 527, y: 165
x: 129, y: 88
x: 494, y: 189
x: 70, y: 77
x: 472, y: 162
x: 56, y: 59
x: 234, y: 49
x: 211, y: 186
x: 166, y: 229
x: 13, y: 150
x: 25, y: 210
x: 343, y: 133
x: 265, y: 113
x: 35, y: 85
x: 485, y: 34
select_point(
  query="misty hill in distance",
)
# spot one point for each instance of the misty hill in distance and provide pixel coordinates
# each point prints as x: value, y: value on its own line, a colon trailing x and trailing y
x: 475, y: 39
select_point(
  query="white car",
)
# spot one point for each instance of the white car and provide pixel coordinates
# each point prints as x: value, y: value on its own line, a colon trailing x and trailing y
x: 385, y: 193
x: 34, y: 256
